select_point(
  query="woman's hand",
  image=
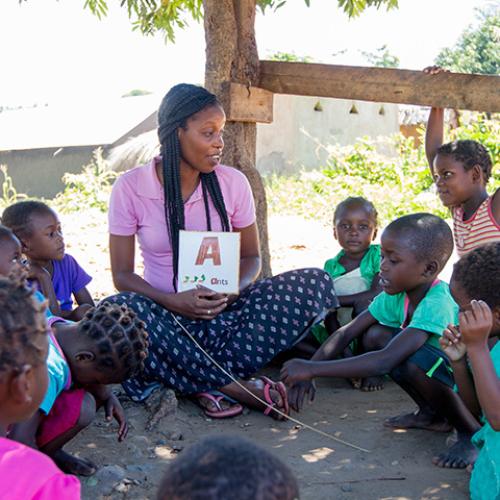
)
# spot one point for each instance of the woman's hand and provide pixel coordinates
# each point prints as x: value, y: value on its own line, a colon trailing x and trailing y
x: 452, y: 345
x: 114, y: 409
x: 476, y: 324
x: 198, y: 303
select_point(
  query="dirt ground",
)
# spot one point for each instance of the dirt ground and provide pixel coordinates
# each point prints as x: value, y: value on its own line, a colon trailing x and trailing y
x: 397, y: 465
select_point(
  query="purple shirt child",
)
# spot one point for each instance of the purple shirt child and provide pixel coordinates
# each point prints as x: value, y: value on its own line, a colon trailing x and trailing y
x: 68, y: 278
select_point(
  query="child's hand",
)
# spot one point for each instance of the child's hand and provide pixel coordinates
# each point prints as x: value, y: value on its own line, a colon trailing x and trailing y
x: 476, y: 323
x: 298, y: 392
x: 113, y: 408
x: 451, y: 343
x: 434, y: 70
x: 296, y: 370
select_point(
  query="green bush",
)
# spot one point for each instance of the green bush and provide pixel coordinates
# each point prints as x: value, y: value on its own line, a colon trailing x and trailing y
x: 89, y: 189
x: 397, y: 185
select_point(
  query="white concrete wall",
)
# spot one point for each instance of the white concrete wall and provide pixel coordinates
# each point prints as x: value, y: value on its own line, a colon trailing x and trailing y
x: 299, y: 136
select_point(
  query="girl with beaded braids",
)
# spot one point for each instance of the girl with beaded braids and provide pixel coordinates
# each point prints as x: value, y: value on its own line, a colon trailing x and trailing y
x: 106, y: 347
x: 24, y: 472
x: 187, y: 188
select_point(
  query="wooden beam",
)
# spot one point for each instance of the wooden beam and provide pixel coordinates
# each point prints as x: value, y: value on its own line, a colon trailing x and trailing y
x: 243, y: 104
x: 449, y: 90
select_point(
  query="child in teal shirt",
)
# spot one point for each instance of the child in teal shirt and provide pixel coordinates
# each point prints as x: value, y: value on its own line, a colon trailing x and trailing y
x: 402, y: 326
x: 475, y: 283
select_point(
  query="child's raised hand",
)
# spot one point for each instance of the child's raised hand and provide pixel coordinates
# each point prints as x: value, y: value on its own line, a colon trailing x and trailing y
x: 451, y: 343
x: 113, y: 408
x: 476, y: 323
x: 434, y: 70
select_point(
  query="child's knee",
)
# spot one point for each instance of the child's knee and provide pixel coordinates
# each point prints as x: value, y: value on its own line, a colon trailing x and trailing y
x: 376, y: 337
x: 87, y: 411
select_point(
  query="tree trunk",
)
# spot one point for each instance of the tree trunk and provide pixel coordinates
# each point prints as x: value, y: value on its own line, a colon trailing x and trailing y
x: 231, y: 55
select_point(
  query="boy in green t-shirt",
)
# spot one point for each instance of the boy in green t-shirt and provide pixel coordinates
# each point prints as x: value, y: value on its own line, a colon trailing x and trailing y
x: 403, y: 325
x: 354, y: 269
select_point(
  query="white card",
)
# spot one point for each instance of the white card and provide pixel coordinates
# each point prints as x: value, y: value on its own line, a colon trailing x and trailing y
x: 209, y: 258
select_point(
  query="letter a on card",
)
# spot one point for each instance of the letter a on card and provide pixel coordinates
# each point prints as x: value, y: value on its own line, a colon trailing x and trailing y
x: 209, y: 249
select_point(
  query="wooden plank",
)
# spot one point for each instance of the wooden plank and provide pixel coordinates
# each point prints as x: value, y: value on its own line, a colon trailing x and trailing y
x: 450, y: 90
x: 243, y: 104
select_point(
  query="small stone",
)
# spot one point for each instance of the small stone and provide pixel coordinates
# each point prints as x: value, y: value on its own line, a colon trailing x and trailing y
x: 396, y: 462
x: 174, y: 436
x: 177, y: 448
x: 160, y: 442
x: 91, y: 481
x: 346, y: 488
x: 121, y: 487
x: 343, y: 416
x: 297, y: 427
x: 110, y: 474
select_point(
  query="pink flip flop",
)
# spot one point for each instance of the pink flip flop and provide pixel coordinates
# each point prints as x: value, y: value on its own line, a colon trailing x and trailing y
x: 232, y: 411
x: 277, y: 386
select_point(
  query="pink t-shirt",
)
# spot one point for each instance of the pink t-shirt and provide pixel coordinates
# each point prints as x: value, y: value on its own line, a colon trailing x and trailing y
x: 27, y: 474
x: 137, y: 208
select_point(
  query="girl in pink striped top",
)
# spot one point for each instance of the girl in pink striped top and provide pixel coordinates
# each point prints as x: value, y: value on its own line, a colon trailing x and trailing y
x: 461, y: 171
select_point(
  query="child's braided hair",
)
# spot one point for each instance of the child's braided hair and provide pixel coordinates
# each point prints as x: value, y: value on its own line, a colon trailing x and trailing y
x: 120, y: 338
x: 182, y: 102
x: 469, y: 153
x: 477, y: 273
x: 22, y: 322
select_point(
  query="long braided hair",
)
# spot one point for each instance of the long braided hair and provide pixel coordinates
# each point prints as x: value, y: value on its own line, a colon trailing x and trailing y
x: 180, y: 103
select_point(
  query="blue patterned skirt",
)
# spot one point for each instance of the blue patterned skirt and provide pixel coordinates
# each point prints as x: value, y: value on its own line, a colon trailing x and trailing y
x: 269, y: 317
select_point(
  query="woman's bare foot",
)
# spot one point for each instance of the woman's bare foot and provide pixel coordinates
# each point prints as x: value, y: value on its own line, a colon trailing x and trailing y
x: 370, y: 384
x: 419, y: 420
x: 73, y: 465
x: 461, y: 455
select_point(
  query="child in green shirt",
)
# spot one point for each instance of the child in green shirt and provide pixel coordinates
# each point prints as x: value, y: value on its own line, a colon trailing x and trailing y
x: 475, y: 283
x: 354, y: 269
x: 402, y: 325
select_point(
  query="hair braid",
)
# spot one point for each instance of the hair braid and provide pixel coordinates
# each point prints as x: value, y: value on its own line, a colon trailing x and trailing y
x: 120, y: 338
x: 22, y: 322
x: 180, y: 103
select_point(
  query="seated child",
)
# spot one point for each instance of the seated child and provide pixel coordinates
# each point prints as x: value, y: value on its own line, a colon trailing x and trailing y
x: 39, y: 230
x: 227, y: 468
x: 106, y: 347
x: 12, y: 263
x: 461, y: 170
x: 475, y: 285
x: 403, y: 324
x: 24, y: 472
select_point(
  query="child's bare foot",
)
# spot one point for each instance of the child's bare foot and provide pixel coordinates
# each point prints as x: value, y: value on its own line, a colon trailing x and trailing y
x: 419, y: 420
x: 461, y: 455
x: 370, y: 384
x: 73, y: 465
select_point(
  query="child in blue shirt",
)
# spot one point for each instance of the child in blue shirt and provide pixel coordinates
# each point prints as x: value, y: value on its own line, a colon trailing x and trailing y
x: 403, y: 325
x: 39, y: 231
x: 475, y: 285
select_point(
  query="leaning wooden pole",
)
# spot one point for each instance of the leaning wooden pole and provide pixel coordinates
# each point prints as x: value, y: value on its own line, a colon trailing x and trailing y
x: 447, y: 90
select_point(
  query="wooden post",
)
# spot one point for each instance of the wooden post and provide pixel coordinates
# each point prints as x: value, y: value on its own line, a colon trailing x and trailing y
x: 448, y: 90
